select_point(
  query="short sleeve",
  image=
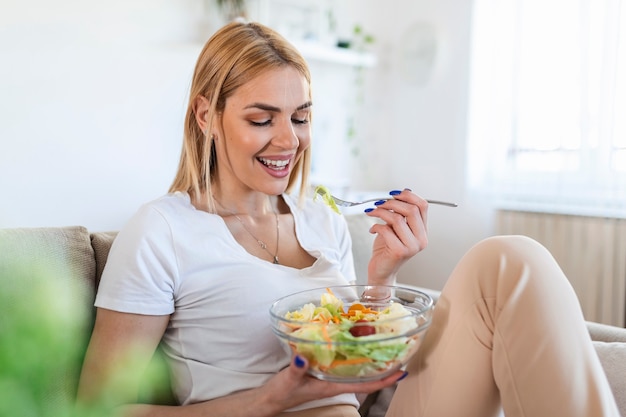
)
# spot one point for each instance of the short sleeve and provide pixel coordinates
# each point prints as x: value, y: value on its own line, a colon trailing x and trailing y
x: 141, y: 273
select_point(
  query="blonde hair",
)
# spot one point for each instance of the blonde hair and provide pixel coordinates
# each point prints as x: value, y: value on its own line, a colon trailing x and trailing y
x: 234, y: 55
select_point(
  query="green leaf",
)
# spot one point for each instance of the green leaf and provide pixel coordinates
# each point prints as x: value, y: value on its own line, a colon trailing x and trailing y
x: 327, y: 198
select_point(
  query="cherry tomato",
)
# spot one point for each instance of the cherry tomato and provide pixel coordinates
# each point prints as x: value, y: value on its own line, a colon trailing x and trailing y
x: 362, y: 330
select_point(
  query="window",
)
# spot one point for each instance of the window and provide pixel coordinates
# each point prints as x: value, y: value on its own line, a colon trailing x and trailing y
x: 547, y: 114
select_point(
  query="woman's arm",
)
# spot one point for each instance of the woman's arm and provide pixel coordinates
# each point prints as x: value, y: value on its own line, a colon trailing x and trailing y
x: 122, y: 345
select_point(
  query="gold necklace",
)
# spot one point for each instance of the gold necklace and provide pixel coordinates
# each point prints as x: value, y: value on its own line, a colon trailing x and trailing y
x: 262, y: 244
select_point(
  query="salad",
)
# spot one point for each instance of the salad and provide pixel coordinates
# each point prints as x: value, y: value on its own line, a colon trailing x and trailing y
x: 327, y: 198
x: 356, y: 341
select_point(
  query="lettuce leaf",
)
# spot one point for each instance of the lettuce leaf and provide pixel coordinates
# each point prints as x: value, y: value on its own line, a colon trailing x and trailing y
x: 327, y: 198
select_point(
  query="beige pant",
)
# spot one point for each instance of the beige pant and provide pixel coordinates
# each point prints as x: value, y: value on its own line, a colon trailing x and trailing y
x: 508, y: 328
x: 329, y: 411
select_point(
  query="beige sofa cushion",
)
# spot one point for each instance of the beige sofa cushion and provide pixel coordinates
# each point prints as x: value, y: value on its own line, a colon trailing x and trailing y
x: 101, y: 243
x: 362, y: 241
x: 62, y: 253
x: 605, y: 333
x: 610, y: 343
x: 613, y: 358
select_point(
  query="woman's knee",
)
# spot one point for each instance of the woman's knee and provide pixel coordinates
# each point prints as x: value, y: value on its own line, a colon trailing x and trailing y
x: 509, y: 243
x: 516, y: 258
x: 515, y: 249
x: 500, y: 257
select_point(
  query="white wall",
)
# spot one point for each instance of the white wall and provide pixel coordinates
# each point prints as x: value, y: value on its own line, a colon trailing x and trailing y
x: 91, y: 107
x: 92, y: 96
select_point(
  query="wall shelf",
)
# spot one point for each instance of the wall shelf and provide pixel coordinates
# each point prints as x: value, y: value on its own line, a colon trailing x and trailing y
x: 312, y: 51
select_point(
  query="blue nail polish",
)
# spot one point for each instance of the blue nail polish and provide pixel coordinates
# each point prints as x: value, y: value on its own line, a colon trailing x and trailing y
x: 394, y: 192
x: 380, y: 202
x: 299, y: 362
x: 367, y: 210
x: 403, y: 376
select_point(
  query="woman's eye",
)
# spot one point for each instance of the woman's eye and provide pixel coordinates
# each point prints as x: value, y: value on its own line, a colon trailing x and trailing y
x: 300, y: 121
x: 261, y: 123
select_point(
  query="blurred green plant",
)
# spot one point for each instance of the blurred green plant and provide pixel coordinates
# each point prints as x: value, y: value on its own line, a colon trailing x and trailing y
x: 233, y: 8
x: 41, y: 343
x: 361, y: 39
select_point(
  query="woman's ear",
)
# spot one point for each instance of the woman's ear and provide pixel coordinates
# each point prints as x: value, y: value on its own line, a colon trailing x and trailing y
x: 201, y: 112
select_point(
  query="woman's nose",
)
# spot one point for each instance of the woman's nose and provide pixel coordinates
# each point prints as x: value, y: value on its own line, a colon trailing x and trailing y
x: 286, y: 136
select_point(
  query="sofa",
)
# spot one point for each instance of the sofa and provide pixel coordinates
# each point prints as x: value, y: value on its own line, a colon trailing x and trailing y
x: 38, y: 265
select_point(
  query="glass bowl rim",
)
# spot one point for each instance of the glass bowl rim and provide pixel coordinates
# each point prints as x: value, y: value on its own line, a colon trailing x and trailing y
x: 361, y: 340
x: 414, y: 311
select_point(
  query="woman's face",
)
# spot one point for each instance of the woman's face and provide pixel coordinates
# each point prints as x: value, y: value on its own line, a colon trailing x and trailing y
x: 265, y: 128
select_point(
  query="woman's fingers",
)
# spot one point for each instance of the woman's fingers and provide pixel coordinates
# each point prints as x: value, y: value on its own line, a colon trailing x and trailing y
x: 334, y: 388
x: 296, y: 386
x: 405, y: 220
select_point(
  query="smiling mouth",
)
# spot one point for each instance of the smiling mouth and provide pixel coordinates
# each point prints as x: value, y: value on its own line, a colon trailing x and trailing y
x: 275, y: 164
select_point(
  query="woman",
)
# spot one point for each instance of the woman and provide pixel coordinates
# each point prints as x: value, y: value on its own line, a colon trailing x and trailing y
x: 198, y: 268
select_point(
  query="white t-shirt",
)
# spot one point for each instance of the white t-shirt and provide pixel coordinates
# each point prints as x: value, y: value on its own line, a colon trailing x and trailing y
x: 173, y: 259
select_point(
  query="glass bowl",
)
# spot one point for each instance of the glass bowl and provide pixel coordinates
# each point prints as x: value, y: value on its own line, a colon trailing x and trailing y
x: 353, y: 333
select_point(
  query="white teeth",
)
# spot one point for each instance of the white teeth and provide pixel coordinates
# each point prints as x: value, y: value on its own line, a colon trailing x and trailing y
x: 274, y: 163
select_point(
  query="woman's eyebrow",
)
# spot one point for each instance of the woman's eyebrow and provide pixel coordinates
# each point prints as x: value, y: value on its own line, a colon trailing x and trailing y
x: 270, y: 108
x: 305, y: 105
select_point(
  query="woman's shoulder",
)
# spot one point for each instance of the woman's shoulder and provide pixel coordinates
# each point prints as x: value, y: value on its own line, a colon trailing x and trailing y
x: 172, y: 207
x: 165, y: 214
x: 171, y: 202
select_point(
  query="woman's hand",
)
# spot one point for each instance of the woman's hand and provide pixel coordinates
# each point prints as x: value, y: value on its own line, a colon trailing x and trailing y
x: 402, y: 235
x: 293, y: 386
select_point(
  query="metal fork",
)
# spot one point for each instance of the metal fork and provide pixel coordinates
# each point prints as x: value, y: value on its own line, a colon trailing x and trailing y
x: 344, y: 203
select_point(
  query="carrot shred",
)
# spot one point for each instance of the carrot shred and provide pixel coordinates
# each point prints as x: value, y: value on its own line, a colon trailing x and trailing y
x: 355, y: 361
x: 327, y: 337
